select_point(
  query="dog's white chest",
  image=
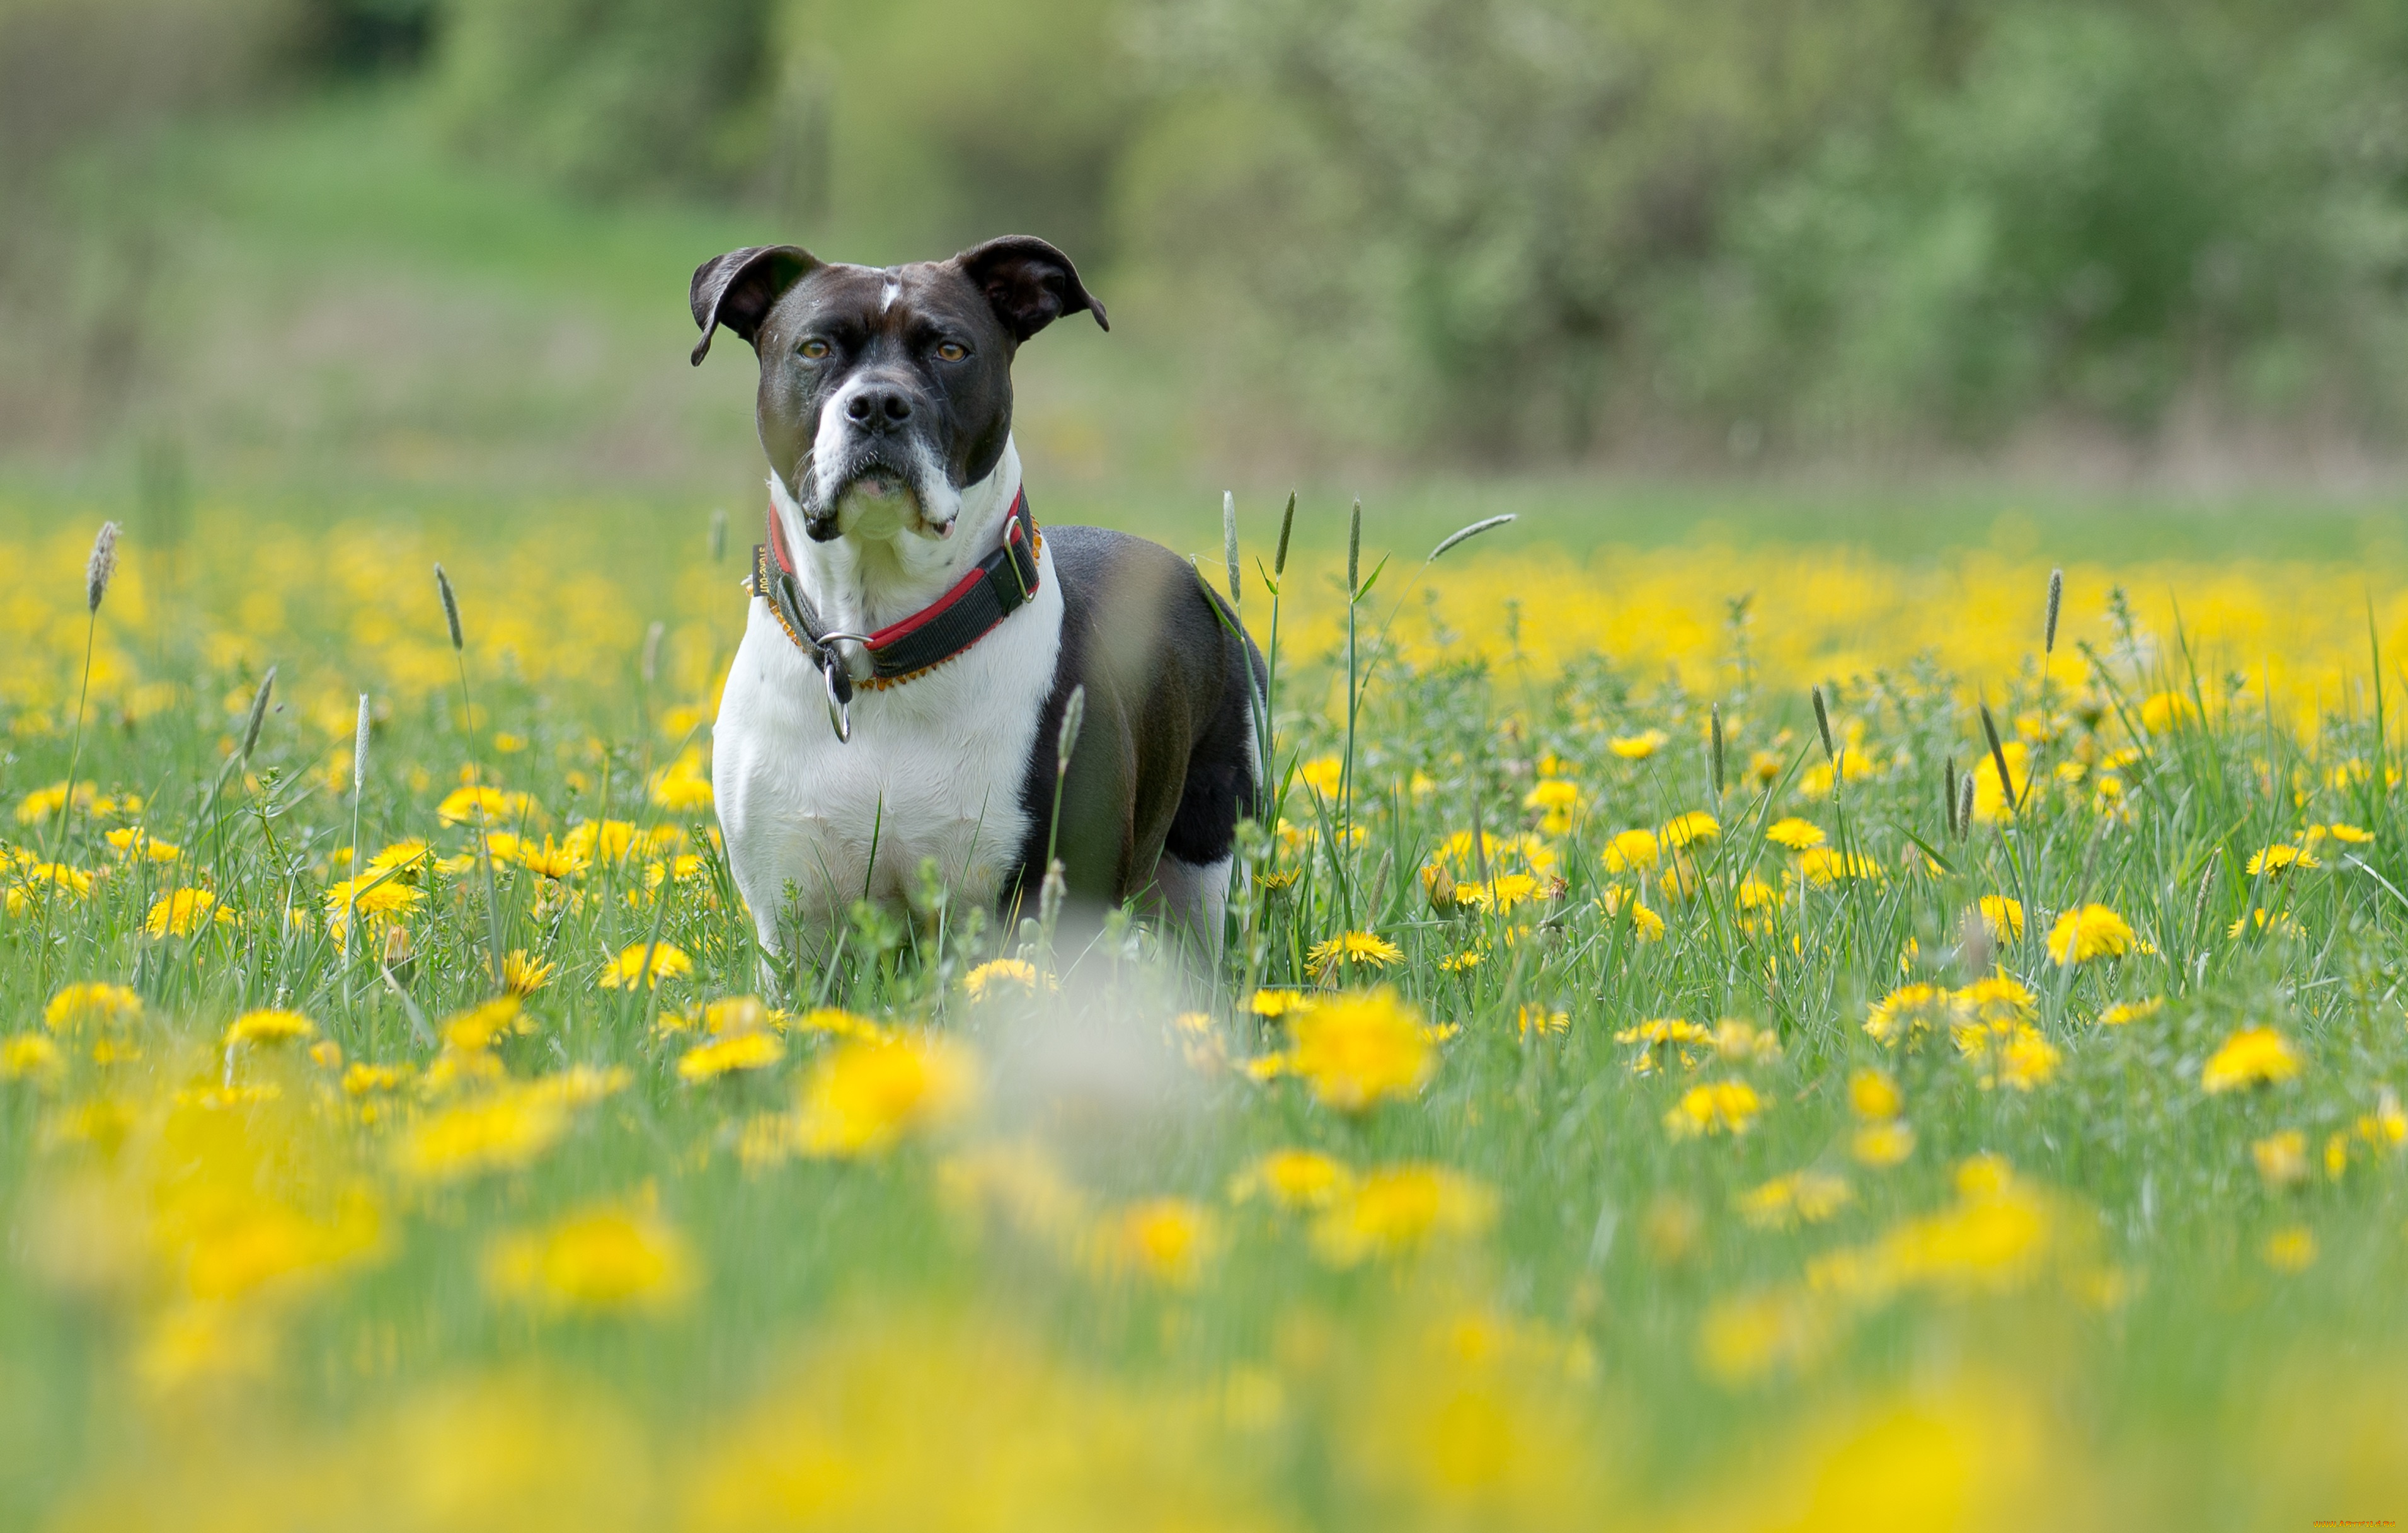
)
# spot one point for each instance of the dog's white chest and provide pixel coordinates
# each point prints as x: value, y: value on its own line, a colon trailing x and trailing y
x: 933, y: 770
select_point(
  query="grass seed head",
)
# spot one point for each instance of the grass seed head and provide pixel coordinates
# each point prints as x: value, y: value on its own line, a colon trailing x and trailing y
x: 258, y: 712
x: 1287, y: 524
x: 652, y: 650
x: 1464, y: 535
x: 1965, y: 805
x: 1354, y: 549
x: 100, y: 566
x: 451, y: 606
x: 1823, y: 726
x: 360, y: 749
x: 2056, y: 599
x: 1074, y: 713
x: 1229, y: 541
x: 1948, y: 797
x: 1718, y: 749
x: 718, y: 534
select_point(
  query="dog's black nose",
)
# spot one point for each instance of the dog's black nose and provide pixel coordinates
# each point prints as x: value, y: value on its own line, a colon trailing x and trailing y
x: 878, y: 409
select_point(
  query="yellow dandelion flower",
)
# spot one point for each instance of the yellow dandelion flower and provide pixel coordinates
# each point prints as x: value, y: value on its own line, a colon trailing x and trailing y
x: 93, y: 1002
x: 2349, y: 834
x: 1280, y: 1003
x: 1637, y: 747
x: 270, y: 1026
x: 524, y: 974
x: 30, y: 1057
x: 2386, y: 1127
x: 1356, y: 1051
x: 1720, y: 1107
x: 1823, y: 866
x: 2282, y: 1158
x: 2291, y: 1249
x: 1645, y: 925
x: 992, y: 977
x: 2094, y: 931
x: 2004, y: 915
x: 2252, y: 1056
x: 480, y: 1026
x: 2165, y: 711
x: 42, y: 803
x: 1322, y: 775
x: 2125, y: 1012
x: 1882, y: 1145
x: 606, y: 1261
x: 2275, y: 861
x: 864, y: 1097
x: 2280, y: 923
x: 630, y: 969
x: 1632, y: 851
x: 180, y: 912
x: 1470, y: 958
x: 1808, y: 1196
x: 1293, y: 1178
x: 1687, y: 829
x: 133, y: 842
x: 478, y: 804
x: 1396, y: 1209
x: 734, y: 1051
x: 683, y: 787
x: 1909, y: 1012
x: 1167, y: 1239
x: 1366, y: 948
x: 1542, y: 1021
x: 1873, y: 1096
x: 1559, y: 803
x: 1795, y: 834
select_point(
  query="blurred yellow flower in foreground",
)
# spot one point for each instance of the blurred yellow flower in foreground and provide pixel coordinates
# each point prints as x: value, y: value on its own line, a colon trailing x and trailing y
x: 2282, y: 1157
x: 1395, y: 1209
x: 1720, y: 1107
x: 1882, y: 1145
x: 2094, y: 931
x: 1356, y: 1051
x: 1293, y: 1178
x: 1637, y: 747
x: 1796, y: 834
x: 1165, y: 1238
x: 866, y: 1097
x: 270, y: 1026
x: 1808, y: 1196
x: 631, y: 968
x: 93, y: 1001
x: 734, y: 1051
x: 2252, y: 1056
x: 609, y: 1260
x: 1632, y: 850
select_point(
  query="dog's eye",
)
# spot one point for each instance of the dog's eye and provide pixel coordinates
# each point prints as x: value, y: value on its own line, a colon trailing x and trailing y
x: 814, y: 349
x: 953, y: 351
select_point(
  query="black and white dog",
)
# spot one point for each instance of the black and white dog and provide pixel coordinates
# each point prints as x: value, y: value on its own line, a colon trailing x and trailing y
x: 914, y: 638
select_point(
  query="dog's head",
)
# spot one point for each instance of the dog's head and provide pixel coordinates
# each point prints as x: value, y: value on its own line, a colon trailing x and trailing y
x: 885, y: 391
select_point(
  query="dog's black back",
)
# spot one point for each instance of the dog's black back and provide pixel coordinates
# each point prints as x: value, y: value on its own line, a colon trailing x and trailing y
x: 1164, y: 764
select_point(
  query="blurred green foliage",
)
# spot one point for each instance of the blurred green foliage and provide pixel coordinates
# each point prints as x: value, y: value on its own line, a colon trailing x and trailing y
x: 1484, y: 229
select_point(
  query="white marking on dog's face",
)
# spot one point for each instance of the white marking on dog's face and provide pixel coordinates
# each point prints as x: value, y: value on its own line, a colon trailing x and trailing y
x: 893, y: 289
x: 913, y: 494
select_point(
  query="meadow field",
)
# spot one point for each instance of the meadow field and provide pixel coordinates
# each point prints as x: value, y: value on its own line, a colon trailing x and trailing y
x: 1746, y: 1026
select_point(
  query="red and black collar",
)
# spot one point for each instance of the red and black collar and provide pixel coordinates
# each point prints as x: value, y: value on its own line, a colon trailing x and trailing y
x: 1000, y: 585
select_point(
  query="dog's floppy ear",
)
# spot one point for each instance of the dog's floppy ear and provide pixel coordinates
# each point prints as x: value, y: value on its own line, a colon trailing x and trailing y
x: 739, y: 289
x: 1030, y: 283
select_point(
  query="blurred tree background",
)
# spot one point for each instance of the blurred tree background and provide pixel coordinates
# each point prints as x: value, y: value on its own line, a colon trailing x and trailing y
x: 1531, y: 233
